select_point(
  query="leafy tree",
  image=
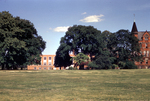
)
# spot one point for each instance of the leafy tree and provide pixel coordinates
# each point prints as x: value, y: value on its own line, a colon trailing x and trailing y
x: 123, y: 46
x: 62, y: 61
x: 102, y: 61
x: 82, y: 39
x: 19, y: 42
x: 80, y: 59
x: 130, y: 65
x: 114, y: 66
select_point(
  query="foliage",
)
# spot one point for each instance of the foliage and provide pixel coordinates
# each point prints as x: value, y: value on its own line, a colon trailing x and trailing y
x: 123, y: 46
x: 121, y: 64
x: 62, y: 61
x: 80, y: 59
x: 19, y: 42
x: 72, y: 68
x: 114, y: 66
x: 82, y: 39
x: 101, y: 62
x: 104, y: 49
x: 130, y: 65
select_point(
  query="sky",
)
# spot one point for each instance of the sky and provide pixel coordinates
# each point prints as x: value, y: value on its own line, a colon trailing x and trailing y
x: 51, y: 18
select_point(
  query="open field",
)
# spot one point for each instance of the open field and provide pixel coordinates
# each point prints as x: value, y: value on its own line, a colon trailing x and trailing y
x: 80, y: 85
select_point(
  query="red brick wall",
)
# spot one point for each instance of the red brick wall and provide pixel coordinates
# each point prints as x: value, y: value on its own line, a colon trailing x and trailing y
x: 144, y: 50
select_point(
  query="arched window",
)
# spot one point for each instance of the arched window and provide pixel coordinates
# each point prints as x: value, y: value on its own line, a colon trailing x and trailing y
x: 146, y: 37
x: 144, y: 53
x: 147, y: 53
x: 146, y: 60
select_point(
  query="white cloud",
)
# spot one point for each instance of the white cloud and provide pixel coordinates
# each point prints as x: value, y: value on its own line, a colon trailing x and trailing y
x: 83, y: 13
x: 93, y: 18
x: 61, y: 29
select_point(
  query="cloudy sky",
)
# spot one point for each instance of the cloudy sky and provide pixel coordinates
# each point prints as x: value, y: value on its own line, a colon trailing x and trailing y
x: 51, y: 18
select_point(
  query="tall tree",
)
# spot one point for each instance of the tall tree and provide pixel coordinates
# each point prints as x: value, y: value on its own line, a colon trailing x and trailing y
x: 81, y: 39
x: 62, y: 60
x: 124, y: 46
x: 19, y: 42
x: 84, y: 39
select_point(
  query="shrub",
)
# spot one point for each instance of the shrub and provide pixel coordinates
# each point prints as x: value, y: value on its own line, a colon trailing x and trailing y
x: 130, y: 65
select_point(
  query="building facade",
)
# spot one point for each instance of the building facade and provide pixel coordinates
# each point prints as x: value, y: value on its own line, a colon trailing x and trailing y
x: 144, y: 42
x: 47, y: 63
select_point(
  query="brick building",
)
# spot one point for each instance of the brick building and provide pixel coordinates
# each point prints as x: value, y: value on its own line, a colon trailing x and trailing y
x: 144, y: 41
x: 47, y: 63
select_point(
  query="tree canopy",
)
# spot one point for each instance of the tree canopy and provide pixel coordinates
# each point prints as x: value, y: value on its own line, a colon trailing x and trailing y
x: 19, y: 42
x: 82, y: 39
x: 124, y: 46
x: 106, y: 49
x: 80, y: 59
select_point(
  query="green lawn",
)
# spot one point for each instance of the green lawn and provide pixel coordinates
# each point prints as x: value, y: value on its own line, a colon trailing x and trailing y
x: 80, y: 85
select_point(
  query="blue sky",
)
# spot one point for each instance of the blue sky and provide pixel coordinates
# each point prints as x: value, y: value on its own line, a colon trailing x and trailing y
x: 51, y: 18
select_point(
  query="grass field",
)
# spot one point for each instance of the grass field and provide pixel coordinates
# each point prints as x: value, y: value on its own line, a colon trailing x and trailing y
x: 80, y: 85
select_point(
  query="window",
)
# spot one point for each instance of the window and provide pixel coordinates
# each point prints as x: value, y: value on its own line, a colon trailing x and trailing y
x: 44, y: 58
x: 49, y: 68
x: 146, y: 37
x: 146, y: 60
x: 44, y: 63
x: 35, y: 68
x: 147, y: 53
x: 44, y: 68
x: 40, y: 68
x: 144, y: 53
x: 140, y: 45
x: 146, y: 45
x: 50, y: 63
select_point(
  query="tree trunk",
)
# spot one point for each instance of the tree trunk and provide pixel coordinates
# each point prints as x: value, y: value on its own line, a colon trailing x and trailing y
x: 81, y: 67
x: 15, y: 68
x: 7, y: 67
x: 2, y: 66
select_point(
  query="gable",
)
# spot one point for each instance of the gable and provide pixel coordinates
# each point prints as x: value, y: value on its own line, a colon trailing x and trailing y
x: 141, y: 35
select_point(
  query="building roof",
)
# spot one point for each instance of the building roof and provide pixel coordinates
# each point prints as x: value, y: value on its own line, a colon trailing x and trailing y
x: 140, y: 34
x: 134, y: 28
